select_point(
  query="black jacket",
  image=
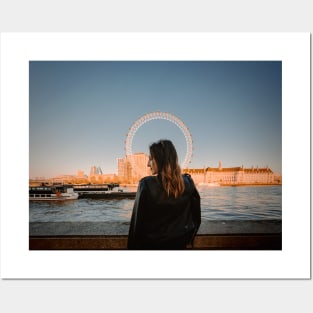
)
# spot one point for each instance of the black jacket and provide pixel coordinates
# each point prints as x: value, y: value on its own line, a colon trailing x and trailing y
x: 162, y: 222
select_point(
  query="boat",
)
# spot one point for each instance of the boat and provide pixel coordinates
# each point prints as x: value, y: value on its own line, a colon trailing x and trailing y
x: 52, y: 193
x: 108, y: 195
x: 102, y: 191
x: 90, y: 188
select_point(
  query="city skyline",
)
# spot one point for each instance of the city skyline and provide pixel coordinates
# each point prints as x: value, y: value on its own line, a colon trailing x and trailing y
x: 81, y: 112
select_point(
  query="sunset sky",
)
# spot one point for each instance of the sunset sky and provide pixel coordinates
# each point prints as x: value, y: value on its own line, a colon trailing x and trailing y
x: 80, y: 112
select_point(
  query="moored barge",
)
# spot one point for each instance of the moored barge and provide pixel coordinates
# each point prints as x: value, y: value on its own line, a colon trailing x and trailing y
x: 52, y: 193
x: 102, y: 191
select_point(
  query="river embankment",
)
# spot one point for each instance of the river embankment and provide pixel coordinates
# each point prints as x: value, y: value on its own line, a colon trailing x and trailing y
x: 212, y: 235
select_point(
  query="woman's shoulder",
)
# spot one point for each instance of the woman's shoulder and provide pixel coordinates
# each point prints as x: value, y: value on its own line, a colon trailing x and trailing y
x: 148, y: 180
x: 150, y: 184
x: 187, y: 177
x: 189, y: 183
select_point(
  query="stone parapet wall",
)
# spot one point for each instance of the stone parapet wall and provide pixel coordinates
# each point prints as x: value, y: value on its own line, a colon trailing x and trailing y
x: 217, y: 235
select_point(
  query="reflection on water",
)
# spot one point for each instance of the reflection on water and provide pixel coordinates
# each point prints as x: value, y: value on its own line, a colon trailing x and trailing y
x: 261, y: 202
x: 241, y: 202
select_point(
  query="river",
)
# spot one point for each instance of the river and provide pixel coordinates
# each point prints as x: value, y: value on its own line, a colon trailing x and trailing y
x: 217, y: 203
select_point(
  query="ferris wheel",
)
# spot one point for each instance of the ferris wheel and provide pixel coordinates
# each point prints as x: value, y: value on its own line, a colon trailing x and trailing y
x: 160, y: 116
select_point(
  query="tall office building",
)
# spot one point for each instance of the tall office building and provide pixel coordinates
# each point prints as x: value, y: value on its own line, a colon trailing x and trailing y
x: 121, y: 168
x: 133, y: 167
x: 94, y: 171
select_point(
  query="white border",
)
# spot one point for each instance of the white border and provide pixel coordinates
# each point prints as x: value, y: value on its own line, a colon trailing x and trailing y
x: 294, y: 259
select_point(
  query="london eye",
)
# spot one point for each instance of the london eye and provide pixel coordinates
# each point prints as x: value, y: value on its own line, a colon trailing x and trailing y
x: 161, y: 116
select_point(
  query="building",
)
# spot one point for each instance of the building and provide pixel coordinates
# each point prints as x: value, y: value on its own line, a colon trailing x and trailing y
x: 81, y: 174
x: 121, y: 168
x: 233, y: 175
x: 133, y: 167
x: 63, y: 179
x: 94, y: 171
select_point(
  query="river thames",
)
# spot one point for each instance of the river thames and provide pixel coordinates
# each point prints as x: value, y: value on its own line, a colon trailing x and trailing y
x: 217, y: 203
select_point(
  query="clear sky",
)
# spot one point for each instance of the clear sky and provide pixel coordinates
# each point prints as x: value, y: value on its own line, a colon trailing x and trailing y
x: 80, y: 112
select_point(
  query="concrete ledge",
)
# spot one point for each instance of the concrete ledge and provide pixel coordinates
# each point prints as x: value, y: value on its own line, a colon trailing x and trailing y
x: 202, y: 242
x: 213, y: 235
x: 78, y: 243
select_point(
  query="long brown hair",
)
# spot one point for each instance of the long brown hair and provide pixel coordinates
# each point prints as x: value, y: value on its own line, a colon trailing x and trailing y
x: 165, y: 156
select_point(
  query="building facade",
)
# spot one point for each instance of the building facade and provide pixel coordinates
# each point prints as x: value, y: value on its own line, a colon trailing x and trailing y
x: 233, y: 175
x: 133, y: 167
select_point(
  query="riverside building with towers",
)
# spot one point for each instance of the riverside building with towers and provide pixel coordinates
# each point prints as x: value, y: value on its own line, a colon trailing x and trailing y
x: 234, y: 175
